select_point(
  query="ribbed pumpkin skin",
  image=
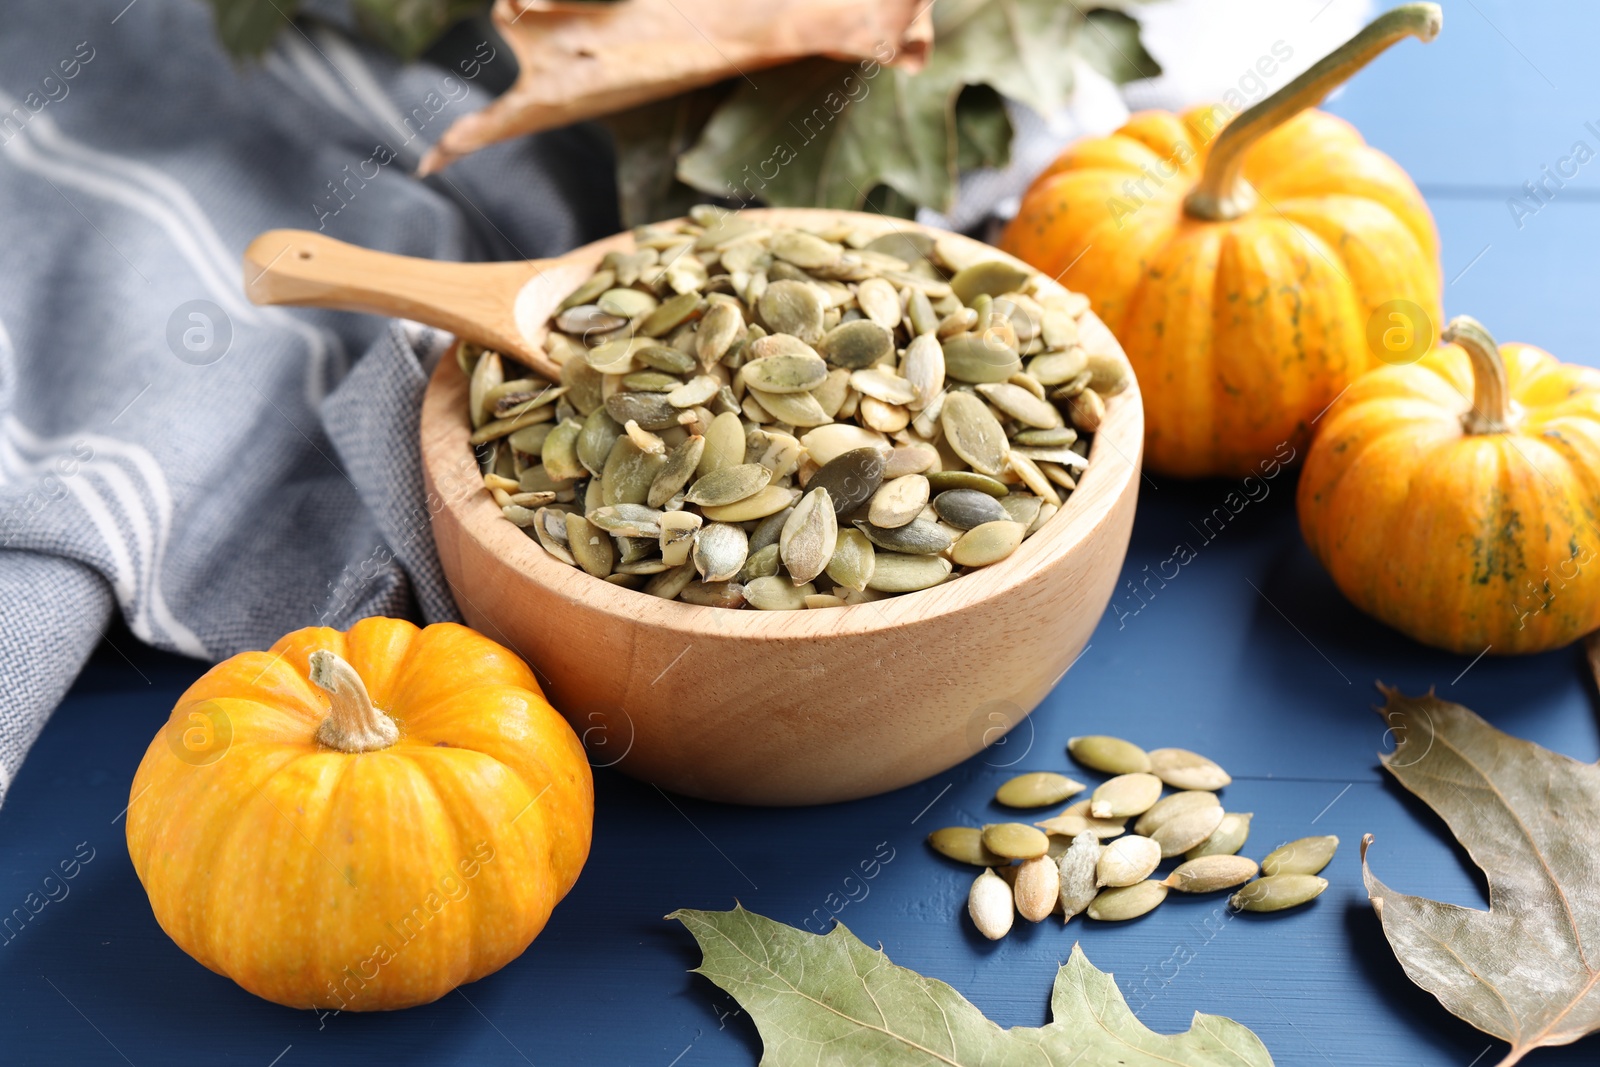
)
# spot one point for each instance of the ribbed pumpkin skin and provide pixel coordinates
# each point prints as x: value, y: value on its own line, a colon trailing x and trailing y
x: 317, y: 878
x: 1464, y: 542
x: 1241, y: 331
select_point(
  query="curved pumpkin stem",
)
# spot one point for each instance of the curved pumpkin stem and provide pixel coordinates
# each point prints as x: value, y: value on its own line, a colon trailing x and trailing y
x: 1222, y: 193
x: 354, y: 724
x: 1491, y: 387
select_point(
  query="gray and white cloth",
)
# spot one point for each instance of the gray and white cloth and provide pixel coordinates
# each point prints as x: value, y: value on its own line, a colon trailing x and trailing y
x: 216, y: 472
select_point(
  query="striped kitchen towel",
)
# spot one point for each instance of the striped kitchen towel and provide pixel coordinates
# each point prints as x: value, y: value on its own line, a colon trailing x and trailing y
x: 216, y: 472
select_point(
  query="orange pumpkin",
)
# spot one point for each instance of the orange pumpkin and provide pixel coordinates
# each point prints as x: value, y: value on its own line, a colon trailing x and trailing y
x: 1240, y: 274
x: 361, y: 821
x: 1458, y: 499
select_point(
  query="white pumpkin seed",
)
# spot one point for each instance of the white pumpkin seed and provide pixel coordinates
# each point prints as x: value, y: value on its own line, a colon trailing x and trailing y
x: 899, y: 501
x: 1207, y: 874
x: 1127, y: 860
x: 990, y: 905
x: 1182, y: 769
x: 1124, y: 796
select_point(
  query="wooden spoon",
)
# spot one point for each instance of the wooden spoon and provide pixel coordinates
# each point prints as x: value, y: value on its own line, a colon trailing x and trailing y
x: 477, y: 301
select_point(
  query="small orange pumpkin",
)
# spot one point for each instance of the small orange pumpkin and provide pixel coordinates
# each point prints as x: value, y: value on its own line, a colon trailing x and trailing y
x: 1458, y: 498
x: 361, y: 821
x: 1240, y: 274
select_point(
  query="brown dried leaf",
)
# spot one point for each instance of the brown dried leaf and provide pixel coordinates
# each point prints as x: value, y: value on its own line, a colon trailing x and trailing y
x: 579, y: 61
x: 1527, y: 970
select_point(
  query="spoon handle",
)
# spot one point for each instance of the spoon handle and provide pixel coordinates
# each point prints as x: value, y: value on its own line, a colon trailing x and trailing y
x: 471, y: 300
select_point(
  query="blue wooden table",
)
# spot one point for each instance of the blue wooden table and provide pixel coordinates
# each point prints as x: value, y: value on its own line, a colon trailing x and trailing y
x: 1249, y: 655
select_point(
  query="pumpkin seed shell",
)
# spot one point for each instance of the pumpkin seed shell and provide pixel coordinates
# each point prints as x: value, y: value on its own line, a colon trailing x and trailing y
x: 1182, y: 769
x: 1278, y: 891
x: 1305, y: 856
x: 1015, y: 840
x: 1207, y: 874
x: 1037, y: 889
x: 1127, y: 902
x: 1037, y: 789
x: 964, y: 844
x: 1109, y: 755
x: 1077, y: 867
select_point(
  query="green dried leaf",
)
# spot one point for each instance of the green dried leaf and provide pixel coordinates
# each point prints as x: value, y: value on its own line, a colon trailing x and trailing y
x: 247, y: 28
x: 1524, y: 971
x: 822, y: 133
x: 648, y: 141
x: 407, y: 27
x: 829, y: 999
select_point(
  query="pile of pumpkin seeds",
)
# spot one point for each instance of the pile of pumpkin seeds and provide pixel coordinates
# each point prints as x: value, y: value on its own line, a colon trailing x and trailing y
x: 1082, y: 860
x: 753, y: 415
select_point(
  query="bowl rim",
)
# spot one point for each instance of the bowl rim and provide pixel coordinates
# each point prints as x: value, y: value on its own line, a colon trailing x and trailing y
x: 1115, y: 458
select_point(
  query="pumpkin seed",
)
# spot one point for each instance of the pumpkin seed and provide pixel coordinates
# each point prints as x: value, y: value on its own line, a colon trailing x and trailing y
x: 585, y: 293
x: 1277, y: 892
x: 1037, y: 889
x: 1228, y: 838
x: 590, y: 546
x: 990, y: 277
x: 1077, y: 868
x: 989, y: 903
x: 676, y: 472
x: 794, y: 308
x: 1109, y: 374
x: 968, y: 508
x: 974, y: 433
x: 1109, y: 755
x: 1075, y: 820
x: 964, y: 844
x: 724, y: 444
x: 626, y: 303
x: 1305, y: 856
x: 1182, y: 769
x: 735, y: 343
x: 672, y: 313
x: 1037, y: 789
x: 853, y: 562
x: 796, y: 409
x: 987, y: 543
x: 1021, y: 405
x: 974, y: 358
x: 769, y: 501
x: 1127, y: 860
x: 898, y: 501
x: 806, y: 251
x: 1182, y: 832
x: 1127, y: 902
x: 857, y: 344
x: 729, y: 484
x: 1086, y: 410
x: 1015, y: 840
x: 893, y: 572
x: 777, y: 594
x: 1125, y: 795
x: 939, y: 481
x: 785, y: 373
x: 809, y: 537
x: 1170, y: 807
x: 720, y: 549
x: 694, y: 392
x: 851, y: 478
x: 1207, y: 874
x: 879, y: 303
x: 677, y: 536
x: 924, y: 369
x: 628, y: 520
x: 919, y: 537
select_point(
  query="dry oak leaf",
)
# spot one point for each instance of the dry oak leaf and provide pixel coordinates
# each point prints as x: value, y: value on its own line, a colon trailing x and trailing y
x: 1527, y: 970
x: 822, y: 1000
x: 582, y: 60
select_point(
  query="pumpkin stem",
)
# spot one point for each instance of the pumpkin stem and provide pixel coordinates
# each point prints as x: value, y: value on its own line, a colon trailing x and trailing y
x: 354, y: 724
x: 1491, y: 388
x: 1222, y: 193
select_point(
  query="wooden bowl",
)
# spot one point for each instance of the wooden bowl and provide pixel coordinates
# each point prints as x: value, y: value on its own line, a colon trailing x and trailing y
x: 784, y: 707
